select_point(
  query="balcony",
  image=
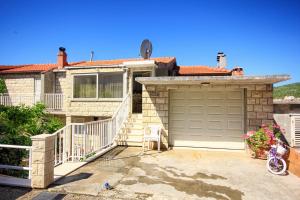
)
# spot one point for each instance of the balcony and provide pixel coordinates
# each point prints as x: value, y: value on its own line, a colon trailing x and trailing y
x: 52, y: 101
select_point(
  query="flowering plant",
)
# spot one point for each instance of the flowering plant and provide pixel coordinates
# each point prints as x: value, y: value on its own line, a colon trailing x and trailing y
x: 262, y: 139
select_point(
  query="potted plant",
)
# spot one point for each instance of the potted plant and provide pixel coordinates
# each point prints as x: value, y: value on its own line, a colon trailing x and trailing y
x: 260, y: 141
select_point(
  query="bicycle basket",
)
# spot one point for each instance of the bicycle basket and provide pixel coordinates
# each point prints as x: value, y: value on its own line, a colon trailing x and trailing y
x: 281, y: 150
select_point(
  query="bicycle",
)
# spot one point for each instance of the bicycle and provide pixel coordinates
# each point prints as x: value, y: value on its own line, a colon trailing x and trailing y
x: 276, y: 164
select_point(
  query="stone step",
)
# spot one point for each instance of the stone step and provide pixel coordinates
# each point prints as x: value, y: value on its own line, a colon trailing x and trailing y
x: 135, y: 131
x: 131, y: 135
x: 133, y: 120
x: 136, y: 116
x: 135, y: 125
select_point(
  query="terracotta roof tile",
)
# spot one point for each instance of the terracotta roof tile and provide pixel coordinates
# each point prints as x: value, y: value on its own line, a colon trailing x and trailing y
x: 31, y: 68
x: 199, y: 70
x: 6, y: 67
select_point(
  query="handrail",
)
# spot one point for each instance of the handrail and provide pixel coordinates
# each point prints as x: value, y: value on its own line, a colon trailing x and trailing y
x: 77, y: 141
x: 15, y: 146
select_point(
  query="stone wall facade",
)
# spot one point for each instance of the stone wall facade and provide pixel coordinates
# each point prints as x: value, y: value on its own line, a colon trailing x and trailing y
x: 258, y: 105
x: 92, y: 108
x: 82, y: 107
x: 20, y: 83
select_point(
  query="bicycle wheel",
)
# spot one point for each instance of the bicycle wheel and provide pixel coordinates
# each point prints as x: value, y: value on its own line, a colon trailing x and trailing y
x: 274, y: 168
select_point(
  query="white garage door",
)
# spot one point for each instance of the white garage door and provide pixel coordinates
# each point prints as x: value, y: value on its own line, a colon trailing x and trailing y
x: 207, y: 118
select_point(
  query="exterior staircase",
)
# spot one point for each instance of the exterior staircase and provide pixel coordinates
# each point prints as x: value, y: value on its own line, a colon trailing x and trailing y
x: 132, y: 132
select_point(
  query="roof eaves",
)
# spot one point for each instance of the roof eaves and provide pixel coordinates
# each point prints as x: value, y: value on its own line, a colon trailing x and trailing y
x: 190, y: 80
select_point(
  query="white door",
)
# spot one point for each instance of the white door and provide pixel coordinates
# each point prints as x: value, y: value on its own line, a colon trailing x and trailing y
x: 37, y: 90
x: 207, y: 118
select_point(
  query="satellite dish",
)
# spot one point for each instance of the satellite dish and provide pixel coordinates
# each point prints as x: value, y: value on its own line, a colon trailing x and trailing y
x: 146, y: 49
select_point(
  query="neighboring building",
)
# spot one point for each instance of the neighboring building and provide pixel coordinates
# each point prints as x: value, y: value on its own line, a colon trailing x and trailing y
x: 197, y: 106
x: 286, y: 114
x: 287, y: 105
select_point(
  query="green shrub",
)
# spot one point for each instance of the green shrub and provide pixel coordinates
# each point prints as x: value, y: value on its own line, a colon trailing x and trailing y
x: 17, y: 124
x: 2, y: 86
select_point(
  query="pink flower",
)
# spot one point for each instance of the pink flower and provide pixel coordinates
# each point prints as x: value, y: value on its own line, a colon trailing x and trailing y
x: 245, y: 136
x: 263, y: 125
x: 250, y: 133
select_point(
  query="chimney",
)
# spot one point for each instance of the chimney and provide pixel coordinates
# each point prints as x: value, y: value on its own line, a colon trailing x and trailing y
x: 221, y: 59
x: 62, y: 58
x: 237, y: 71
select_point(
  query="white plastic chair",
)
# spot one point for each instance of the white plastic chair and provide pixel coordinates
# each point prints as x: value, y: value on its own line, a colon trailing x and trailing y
x: 153, y: 135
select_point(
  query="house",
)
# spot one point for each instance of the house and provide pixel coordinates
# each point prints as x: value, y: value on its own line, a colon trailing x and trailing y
x: 197, y: 106
x: 287, y: 115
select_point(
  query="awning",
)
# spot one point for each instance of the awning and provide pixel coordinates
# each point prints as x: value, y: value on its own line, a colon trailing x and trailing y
x: 194, y: 80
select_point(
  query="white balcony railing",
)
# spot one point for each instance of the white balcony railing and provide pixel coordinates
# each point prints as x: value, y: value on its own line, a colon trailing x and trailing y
x: 54, y: 101
x: 15, y: 99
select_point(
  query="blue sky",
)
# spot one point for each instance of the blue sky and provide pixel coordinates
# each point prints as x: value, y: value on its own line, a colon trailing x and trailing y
x: 261, y: 36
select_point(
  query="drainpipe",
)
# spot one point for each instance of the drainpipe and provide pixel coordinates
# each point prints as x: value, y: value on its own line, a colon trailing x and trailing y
x: 42, y: 87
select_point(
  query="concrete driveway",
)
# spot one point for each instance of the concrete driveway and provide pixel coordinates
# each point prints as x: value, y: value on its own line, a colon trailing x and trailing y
x: 178, y: 174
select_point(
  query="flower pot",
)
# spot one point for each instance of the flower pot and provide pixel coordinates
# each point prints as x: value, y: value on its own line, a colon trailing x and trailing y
x: 262, y: 154
x: 259, y: 154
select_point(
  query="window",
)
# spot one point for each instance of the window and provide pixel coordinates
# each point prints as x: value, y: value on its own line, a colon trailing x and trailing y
x: 103, y: 85
x: 85, y: 86
x: 110, y: 85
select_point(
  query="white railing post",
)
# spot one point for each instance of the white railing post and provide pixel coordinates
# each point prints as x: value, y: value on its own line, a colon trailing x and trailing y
x: 30, y: 163
x: 72, y: 136
x: 55, y: 150
x: 64, y: 146
x: 85, y: 131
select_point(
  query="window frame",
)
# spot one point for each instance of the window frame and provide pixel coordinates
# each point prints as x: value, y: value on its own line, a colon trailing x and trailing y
x: 97, y: 74
x: 73, y: 86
